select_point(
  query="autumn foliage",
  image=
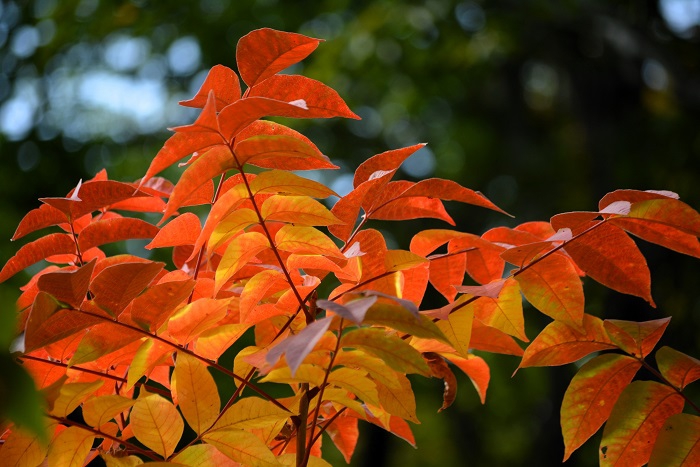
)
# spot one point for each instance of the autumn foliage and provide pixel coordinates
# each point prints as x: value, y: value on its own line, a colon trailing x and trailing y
x: 124, y: 348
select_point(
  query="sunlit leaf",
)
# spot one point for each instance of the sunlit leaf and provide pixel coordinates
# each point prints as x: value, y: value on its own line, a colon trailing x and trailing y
x: 305, y: 240
x: 68, y: 286
x: 114, y: 230
x: 344, y: 434
x: 251, y: 412
x: 668, y: 211
x: 197, y: 393
x: 504, y: 313
x: 241, y: 446
x: 401, y: 319
x: 635, y: 422
x: 33, y: 252
x: 71, y: 447
x: 157, y: 424
x: 22, y: 449
x: 399, y: 401
x: 280, y: 152
x: 241, y: 250
x: 678, y: 368
x: 591, y: 396
x: 182, y: 230
x: 99, y: 410
x: 636, y: 338
x: 72, y: 395
x: 395, y: 352
x: 356, y: 382
x: 203, y: 455
x: 458, y: 329
x: 660, y: 234
x: 224, y: 82
x: 440, y: 369
x: 117, y: 285
x: 678, y: 443
x: 299, y: 210
x: 150, y: 309
x: 196, y: 317
x: 288, y: 183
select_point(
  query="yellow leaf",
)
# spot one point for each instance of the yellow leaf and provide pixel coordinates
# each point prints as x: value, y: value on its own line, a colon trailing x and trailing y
x: 100, y: 410
x: 70, y: 448
x: 242, y: 447
x: 241, y: 250
x: 197, y: 393
x: 504, y: 313
x: 230, y: 226
x: 374, y: 366
x: 22, y: 449
x: 203, y: 455
x: 290, y: 460
x: 149, y: 354
x: 281, y: 181
x: 401, y: 319
x: 251, y: 412
x: 356, y: 382
x: 305, y: 240
x: 340, y: 396
x: 128, y: 461
x: 306, y: 373
x: 400, y: 402
x: 258, y: 287
x: 72, y: 395
x: 298, y: 210
x: 398, y: 260
x: 398, y: 354
x: 458, y: 329
x: 157, y: 424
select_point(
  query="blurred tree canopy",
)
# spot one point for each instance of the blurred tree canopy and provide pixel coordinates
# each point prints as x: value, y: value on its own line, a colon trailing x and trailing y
x: 544, y: 106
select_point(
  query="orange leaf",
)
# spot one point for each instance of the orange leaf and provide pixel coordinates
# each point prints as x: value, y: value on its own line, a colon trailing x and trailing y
x: 264, y: 52
x: 68, y: 286
x: 559, y: 344
x: 344, y: 434
x: 181, y: 230
x: 492, y: 340
x: 196, y: 317
x: 210, y: 164
x: 22, y: 449
x: 671, y: 212
x: 280, y: 152
x: 283, y: 182
x: 484, y: 262
x: 504, y: 313
x: 660, y: 234
x: 311, y: 98
x: 116, y: 286
x: 446, y: 272
x: 207, y: 119
x: 635, y: 422
x: 70, y: 447
x: 152, y: 307
x: 197, y: 393
x: 306, y: 240
x: 260, y: 286
x: 440, y: 369
x: 99, y: 410
x: 678, y: 368
x: 230, y: 226
x: 678, y: 443
x: 636, y: 338
x: 382, y: 164
x: 241, y: 250
x: 43, y: 216
x: 427, y: 241
x: 102, y: 339
x: 114, y: 230
x: 447, y: 190
x: 610, y: 257
x: 33, y: 252
x: 552, y: 286
x: 591, y: 396
x: 224, y: 82
x: 633, y: 196
x: 157, y: 424
x: 179, y: 146
x: 474, y: 367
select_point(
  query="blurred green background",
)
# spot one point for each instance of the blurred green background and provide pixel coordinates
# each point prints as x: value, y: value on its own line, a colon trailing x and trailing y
x: 544, y: 106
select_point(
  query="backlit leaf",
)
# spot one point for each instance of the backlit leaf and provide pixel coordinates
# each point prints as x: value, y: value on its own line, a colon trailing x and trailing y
x: 71, y: 447
x: 354, y: 311
x: 660, y: 234
x: 591, y: 396
x: 43, y: 216
x: 230, y: 226
x: 668, y: 211
x: 214, y: 342
x: 22, y: 449
x: 305, y: 240
x: 182, y: 230
x: 300, y: 210
x: 114, y: 230
x: 458, y: 329
x: 678, y: 368
x: 492, y: 340
x: 197, y: 393
x: 68, y: 286
x: 678, y: 443
x: 440, y: 369
x: 395, y: 352
x: 344, y: 434
x: 504, y: 313
x: 636, y: 338
x: 179, y: 146
x: 298, y: 346
x: 150, y: 309
x: 224, y: 82
x: 203, y: 455
x: 401, y: 319
x: 552, y: 286
x: 241, y: 250
x: 33, y: 252
x: 559, y: 344
x: 356, y: 382
x: 288, y: 183
x: 99, y: 410
x: 476, y: 368
x: 263, y: 52
x: 196, y: 317
x: 399, y: 401
x: 635, y: 422
x: 102, y: 339
x: 157, y: 424
x: 261, y: 285
x: 251, y: 412
x: 72, y: 395
x: 388, y: 161
x: 117, y: 285
x: 241, y: 446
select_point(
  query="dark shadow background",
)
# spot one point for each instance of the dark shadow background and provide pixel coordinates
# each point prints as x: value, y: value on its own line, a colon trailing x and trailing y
x: 544, y: 106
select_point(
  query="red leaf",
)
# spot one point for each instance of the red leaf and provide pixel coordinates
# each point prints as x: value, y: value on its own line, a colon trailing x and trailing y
x: 610, y: 257
x: 591, y: 396
x: 264, y: 52
x: 636, y: 338
x: 116, y: 286
x: 477, y: 370
x: 68, y: 286
x: 347, y: 209
x: 206, y: 121
x: 179, y: 146
x: 310, y: 98
x: 224, y: 82
x: 150, y: 309
x: 33, y: 252
x: 427, y: 241
x: 678, y: 368
x: 660, y: 234
x: 635, y: 422
x: 344, y: 434
x: 381, y: 164
x: 492, y: 340
x: 634, y: 196
x: 671, y: 212
x: 484, y: 262
x: 182, y: 230
x: 559, y: 344
x: 114, y: 230
x: 280, y: 152
x: 43, y: 216
x: 210, y: 164
x: 447, y: 190
x: 99, y: 194
x: 446, y: 272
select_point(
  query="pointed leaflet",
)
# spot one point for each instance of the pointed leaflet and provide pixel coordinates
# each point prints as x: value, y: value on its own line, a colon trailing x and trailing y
x: 403, y: 320
x: 182, y: 230
x: 633, y: 196
x: 399, y: 401
x: 553, y: 287
x: 70, y: 447
x: 99, y: 410
x: 241, y: 250
x: 22, y: 449
x: 305, y: 240
x: 381, y: 164
x: 230, y: 226
x: 504, y: 313
x: 299, y: 210
x: 476, y: 368
x: 298, y: 346
x: 288, y: 183
x: 117, y: 285
x: 395, y: 352
x: 260, y: 286
x: 214, y: 342
x: 678, y: 368
x: 114, y: 230
x: 354, y: 311
x: 206, y: 121
x: 203, y: 455
x: 636, y: 338
x: 357, y: 382
x: 33, y: 252
x: 251, y: 412
x: 559, y: 344
x: 49, y: 323
x: 668, y: 211
x: 103, y: 339
x: 344, y: 434
x: 280, y: 152
x: 67, y: 286
x: 264, y: 52
x: 492, y: 340
x: 100, y: 194
x: 591, y: 396
x: 197, y: 393
x: 71, y: 395
x: 678, y: 444
x: 610, y: 257
x: 311, y: 98
x: 458, y: 329
x: 196, y: 317
x: 347, y: 208
x: 224, y: 82
x: 210, y: 164
x: 635, y: 422
x: 179, y: 146
x: 446, y: 272
x: 484, y: 262
x: 223, y: 207
x: 157, y: 424
x: 149, y: 355
x: 150, y: 309
x: 241, y: 446
x: 660, y: 234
